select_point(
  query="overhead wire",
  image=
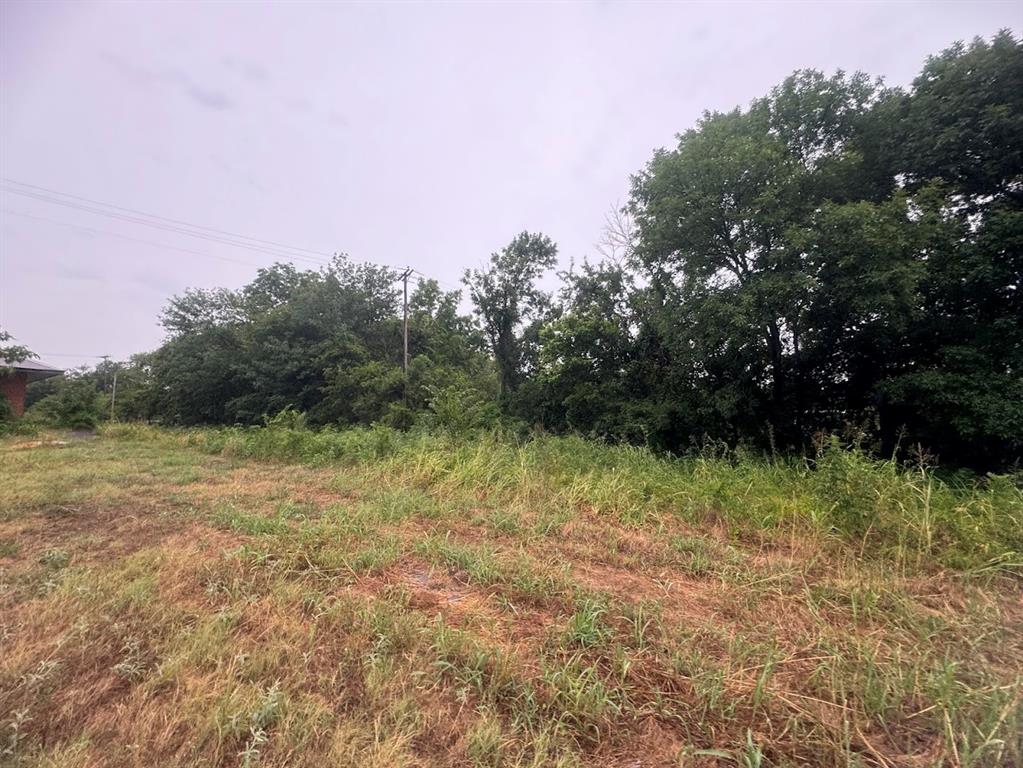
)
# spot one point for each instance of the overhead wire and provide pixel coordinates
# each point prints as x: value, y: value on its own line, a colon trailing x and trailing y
x: 72, y: 354
x: 165, y: 227
x: 423, y: 275
x: 107, y: 232
x: 181, y: 222
x: 175, y: 226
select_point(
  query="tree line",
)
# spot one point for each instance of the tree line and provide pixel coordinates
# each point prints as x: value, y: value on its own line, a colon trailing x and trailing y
x: 838, y: 257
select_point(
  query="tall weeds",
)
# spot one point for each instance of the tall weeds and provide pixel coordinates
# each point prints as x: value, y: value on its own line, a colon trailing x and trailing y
x: 909, y: 515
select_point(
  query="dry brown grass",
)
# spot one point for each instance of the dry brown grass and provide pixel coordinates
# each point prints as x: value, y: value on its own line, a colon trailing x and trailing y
x: 165, y: 607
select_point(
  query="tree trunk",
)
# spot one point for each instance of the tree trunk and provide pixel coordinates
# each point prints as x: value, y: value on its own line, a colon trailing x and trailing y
x: 778, y: 378
x: 797, y: 387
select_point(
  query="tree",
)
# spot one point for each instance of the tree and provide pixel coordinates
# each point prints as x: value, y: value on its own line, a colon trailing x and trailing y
x: 842, y: 252
x: 586, y: 353
x: 712, y: 217
x: 12, y: 353
x: 963, y: 122
x: 510, y: 305
x: 326, y: 343
x: 960, y: 389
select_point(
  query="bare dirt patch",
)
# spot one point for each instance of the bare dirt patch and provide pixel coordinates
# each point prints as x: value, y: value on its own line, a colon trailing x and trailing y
x: 29, y: 445
x: 650, y: 745
x: 88, y: 532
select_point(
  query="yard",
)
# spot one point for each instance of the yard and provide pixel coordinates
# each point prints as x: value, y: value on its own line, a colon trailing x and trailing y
x: 169, y: 599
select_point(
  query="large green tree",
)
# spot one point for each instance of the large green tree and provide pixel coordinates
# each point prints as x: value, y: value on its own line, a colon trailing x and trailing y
x: 959, y: 389
x: 715, y: 216
x: 840, y: 253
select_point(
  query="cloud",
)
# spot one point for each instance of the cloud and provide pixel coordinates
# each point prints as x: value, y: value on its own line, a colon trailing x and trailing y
x: 250, y: 70
x: 209, y: 98
x: 153, y: 280
x: 78, y: 271
x: 213, y: 99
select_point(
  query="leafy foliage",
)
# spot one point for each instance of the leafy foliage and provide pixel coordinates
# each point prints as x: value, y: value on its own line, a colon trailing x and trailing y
x: 510, y: 305
x: 12, y: 353
x: 839, y: 257
x: 325, y: 343
x: 823, y: 259
x: 76, y: 404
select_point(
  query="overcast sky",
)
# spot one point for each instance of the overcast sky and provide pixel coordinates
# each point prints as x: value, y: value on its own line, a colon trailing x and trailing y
x: 400, y: 133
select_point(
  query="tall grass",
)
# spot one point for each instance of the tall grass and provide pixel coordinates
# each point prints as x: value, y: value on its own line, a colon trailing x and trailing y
x: 880, y: 508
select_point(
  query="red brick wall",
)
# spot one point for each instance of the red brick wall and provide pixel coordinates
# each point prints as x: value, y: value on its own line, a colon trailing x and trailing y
x: 12, y: 386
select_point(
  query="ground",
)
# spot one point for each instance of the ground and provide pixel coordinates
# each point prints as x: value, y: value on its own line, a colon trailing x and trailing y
x: 161, y: 605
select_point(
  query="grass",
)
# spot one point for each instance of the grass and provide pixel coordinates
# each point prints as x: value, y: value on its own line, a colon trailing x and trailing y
x: 279, y: 597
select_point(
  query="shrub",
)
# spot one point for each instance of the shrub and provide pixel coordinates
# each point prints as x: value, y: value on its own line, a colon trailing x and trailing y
x: 76, y: 404
x: 461, y: 409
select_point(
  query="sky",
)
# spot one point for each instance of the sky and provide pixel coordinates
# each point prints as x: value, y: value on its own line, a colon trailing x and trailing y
x: 412, y: 134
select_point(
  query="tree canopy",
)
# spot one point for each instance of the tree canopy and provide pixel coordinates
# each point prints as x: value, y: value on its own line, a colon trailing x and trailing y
x: 837, y: 257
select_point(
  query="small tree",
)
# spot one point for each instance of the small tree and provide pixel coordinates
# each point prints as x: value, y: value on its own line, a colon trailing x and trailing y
x: 11, y: 353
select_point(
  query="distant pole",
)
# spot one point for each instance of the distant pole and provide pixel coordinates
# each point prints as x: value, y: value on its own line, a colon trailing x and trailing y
x: 404, y: 312
x: 404, y: 331
x: 113, y: 391
x: 113, y: 396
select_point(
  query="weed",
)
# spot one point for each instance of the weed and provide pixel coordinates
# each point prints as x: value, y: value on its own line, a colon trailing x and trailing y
x: 55, y: 559
x: 586, y: 627
x: 132, y: 666
x: 486, y: 742
x: 844, y: 612
x: 250, y: 753
x: 582, y: 700
x: 16, y: 732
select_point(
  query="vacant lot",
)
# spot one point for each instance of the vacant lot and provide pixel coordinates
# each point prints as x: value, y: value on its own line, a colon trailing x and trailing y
x: 281, y: 598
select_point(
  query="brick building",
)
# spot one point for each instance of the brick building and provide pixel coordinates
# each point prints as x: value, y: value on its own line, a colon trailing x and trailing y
x: 14, y: 377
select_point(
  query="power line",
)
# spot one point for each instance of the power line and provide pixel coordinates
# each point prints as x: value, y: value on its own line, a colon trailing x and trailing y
x: 423, y: 276
x: 126, y: 237
x: 165, y: 218
x: 164, y: 227
x: 177, y: 226
x: 416, y: 275
x: 70, y: 354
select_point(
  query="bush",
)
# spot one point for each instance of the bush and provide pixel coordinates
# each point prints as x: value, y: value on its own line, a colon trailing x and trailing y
x: 461, y: 410
x: 289, y: 418
x: 10, y: 425
x: 75, y: 405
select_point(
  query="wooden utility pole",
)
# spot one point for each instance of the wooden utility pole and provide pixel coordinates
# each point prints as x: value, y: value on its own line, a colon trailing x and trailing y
x: 404, y: 328
x: 113, y: 392
x: 113, y: 397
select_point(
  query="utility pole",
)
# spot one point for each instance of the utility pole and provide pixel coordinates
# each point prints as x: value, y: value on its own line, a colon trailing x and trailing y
x: 113, y: 391
x: 404, y: 329
x: 404, y: 312
x: 113, y: 397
